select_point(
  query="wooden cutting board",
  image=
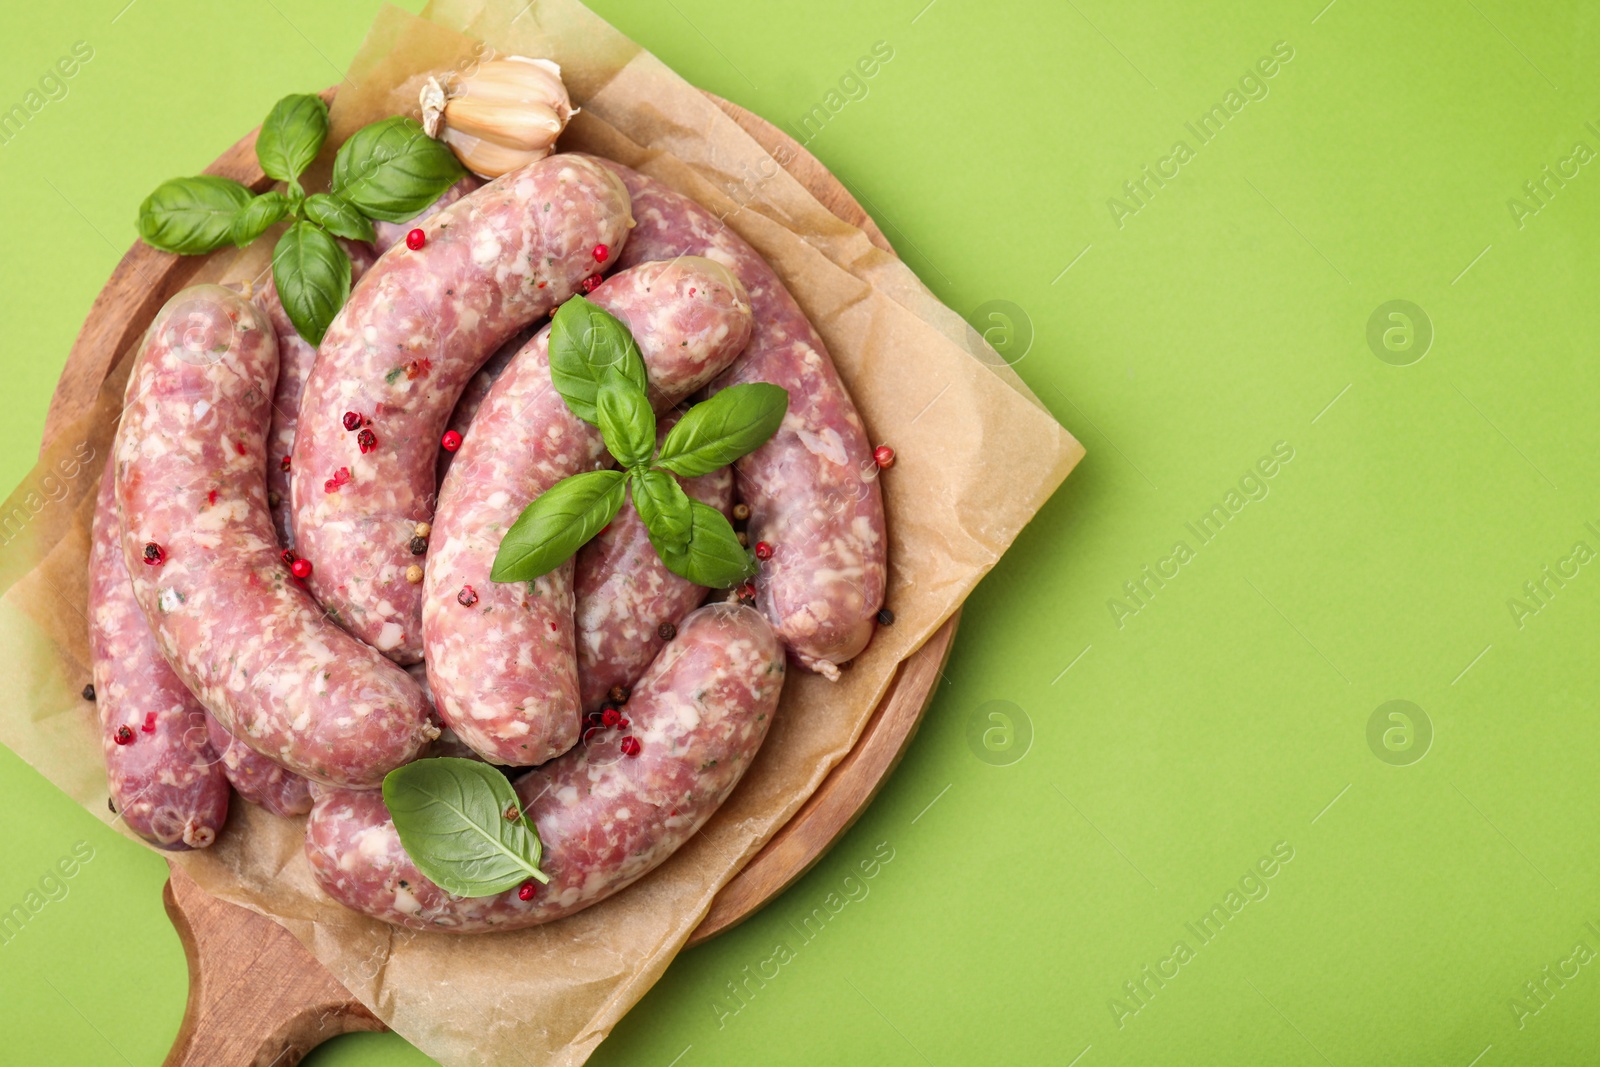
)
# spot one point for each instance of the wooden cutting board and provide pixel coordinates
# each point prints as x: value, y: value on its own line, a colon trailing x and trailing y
x: 256, y: 996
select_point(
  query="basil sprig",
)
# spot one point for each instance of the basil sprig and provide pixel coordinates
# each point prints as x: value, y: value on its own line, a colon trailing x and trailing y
x: 596, y: 367
x: 451, y: 815
x: 386, y: 170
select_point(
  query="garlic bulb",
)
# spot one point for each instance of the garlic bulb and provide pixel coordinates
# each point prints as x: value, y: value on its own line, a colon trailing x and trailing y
x: 504, y: 114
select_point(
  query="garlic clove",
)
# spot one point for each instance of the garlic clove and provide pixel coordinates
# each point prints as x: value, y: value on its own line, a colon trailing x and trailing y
x: 487, y: 159
x: 514, y: 128
x: 505, y: 113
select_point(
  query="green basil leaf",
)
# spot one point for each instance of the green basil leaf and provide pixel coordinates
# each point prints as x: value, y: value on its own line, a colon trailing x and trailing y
x: 664, y: 507
x: 451, y: 817
x: 191, y: 215
x: 312, y: 274
x: 717, y: 431
x: 714, y: 557
x: 339, y: 217
x: 255, y: 217
x: 292, y: 135
x: 391, y: 170
x: 557, y: 524
x: 622, y: 411
x: 586, y: 343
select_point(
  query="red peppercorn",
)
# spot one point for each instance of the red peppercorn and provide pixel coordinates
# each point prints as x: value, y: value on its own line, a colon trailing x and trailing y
x: 416, y: 239
x: 154, y: 554
x: 623, y: 724
x: 450, y: 441
x: 883, y: 456
x: 763, y: 550
x: 124, y: 735
x: 149, y: 726
x: 340, y: 477
x: 238, y: 446
x: 283, y: 464
x: 747, y: 592
x: 467, y: 597
x: 352, y: 420
x: 630, y: 746
x: 601, y: 253
x: 300, y: 568
x: 366, y: 440
x: 591, y: 733
x: 610, y: 716
x: 211, y: 497
x: 591, y: 283
x: 526, y: 891
x: 288, y: 556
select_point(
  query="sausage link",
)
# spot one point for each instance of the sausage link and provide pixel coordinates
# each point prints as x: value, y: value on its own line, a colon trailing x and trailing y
x: 625, y: 593
x: 296, y: 357
x: 699, y: 715
x: 812, y: 489
x: 400, y: 353
x: 255, y: 777
x: 477, y: 389
x: 501, y: 658
x: 249, y: 642
x: 163, y: 774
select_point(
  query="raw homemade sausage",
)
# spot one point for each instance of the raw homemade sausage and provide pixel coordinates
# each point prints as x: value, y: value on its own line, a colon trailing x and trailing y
x: 812, y: 489
x: 698, y: 715
x: 624, y: 592
x: 399, y: 354
x: 163, y: 775
x: 477, y: 389
x: 296, y: 356
x: 501, y: 658
x: 255, y: 777
x: 198, y: 541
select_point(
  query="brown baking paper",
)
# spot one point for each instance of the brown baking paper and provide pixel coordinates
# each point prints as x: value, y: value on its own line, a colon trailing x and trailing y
x: 978, y: 456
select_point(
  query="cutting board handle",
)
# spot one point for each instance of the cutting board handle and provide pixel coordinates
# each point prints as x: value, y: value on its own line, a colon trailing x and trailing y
x: 257, y: 998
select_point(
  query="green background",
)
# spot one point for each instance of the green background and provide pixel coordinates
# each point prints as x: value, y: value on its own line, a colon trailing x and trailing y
x: 1162, y: 753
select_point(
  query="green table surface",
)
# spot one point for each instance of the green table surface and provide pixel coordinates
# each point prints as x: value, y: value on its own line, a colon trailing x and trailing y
x: 1161, y: 809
